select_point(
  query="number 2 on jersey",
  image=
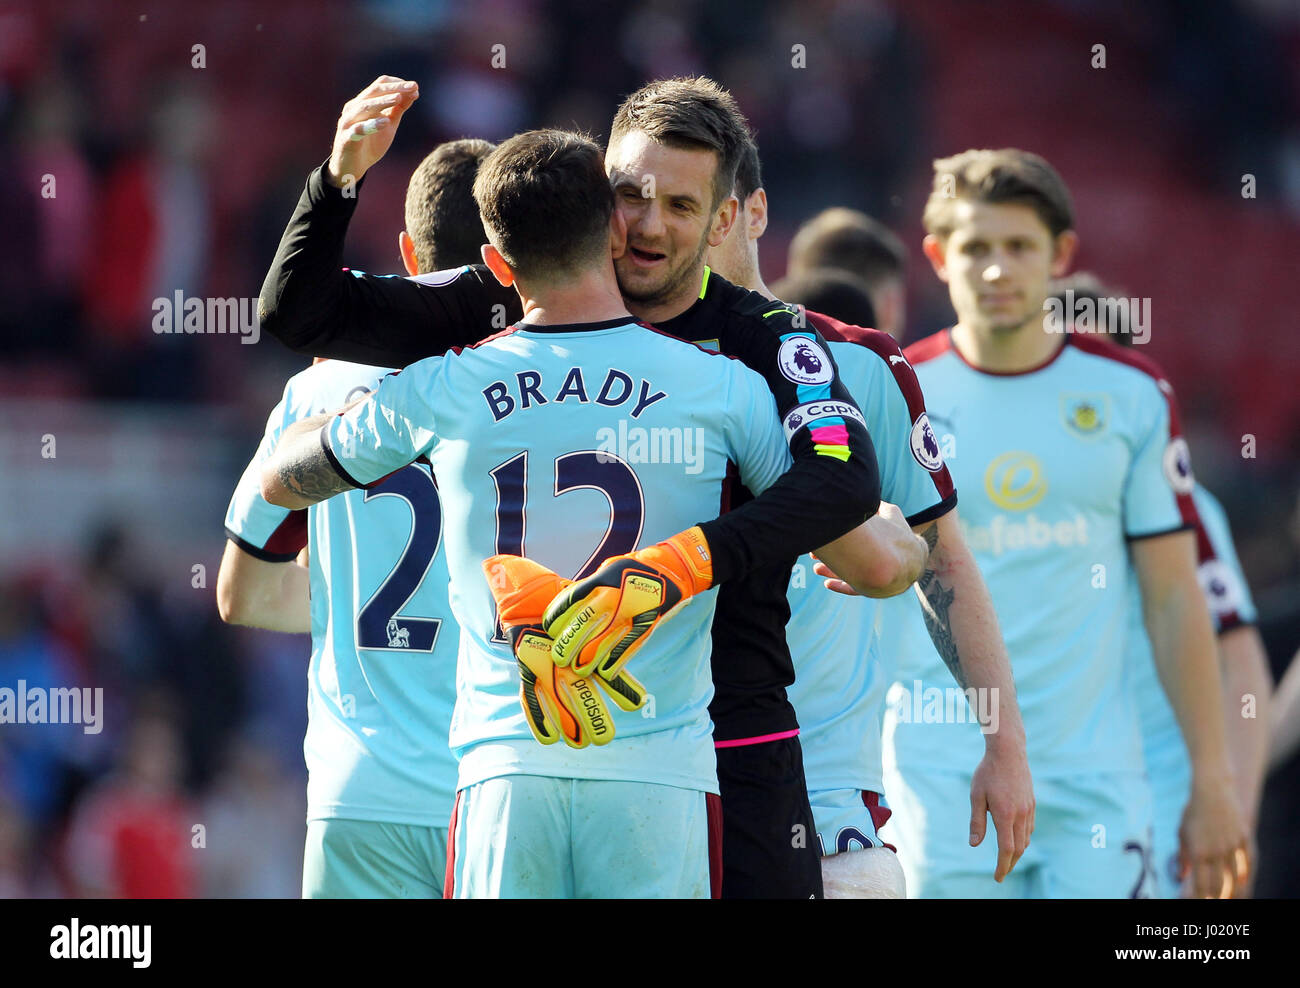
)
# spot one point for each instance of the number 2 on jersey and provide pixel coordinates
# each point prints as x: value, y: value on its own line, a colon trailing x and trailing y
x: 380, y: 624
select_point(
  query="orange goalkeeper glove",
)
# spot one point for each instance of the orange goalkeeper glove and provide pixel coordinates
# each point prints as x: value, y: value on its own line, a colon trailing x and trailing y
x: 557, y: 702
x: 600, y: 622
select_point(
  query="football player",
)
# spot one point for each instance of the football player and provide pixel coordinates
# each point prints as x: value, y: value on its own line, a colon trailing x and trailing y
x: 382, y: 677
x: 1243, y: 662
x: 839, y: 686
x: 1078, y: 496
x: 847, y: 240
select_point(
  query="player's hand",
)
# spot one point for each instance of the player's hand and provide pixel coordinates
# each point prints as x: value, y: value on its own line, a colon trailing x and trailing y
x: 600, y: 622
x: 880, y: 558
x: 1213, y: 847
x: 560, y: 704
x: 367, y: 126
x: 1252, y: 855
x: 557, y: 702
x: 1003, y: 787
x: 833, y: 582
x: 891, y: 513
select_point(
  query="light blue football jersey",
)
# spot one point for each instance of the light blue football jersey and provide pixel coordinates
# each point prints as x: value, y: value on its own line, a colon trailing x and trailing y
x: 1223, y: 582
x: 1059, y: 468
x: 839, y: 687
x: 571, y: 444
x: 382, y: 677
x: 1228, y: 598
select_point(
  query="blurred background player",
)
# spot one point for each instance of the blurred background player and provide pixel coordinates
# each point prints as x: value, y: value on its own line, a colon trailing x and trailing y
x: 1243, y: 663
x: 839, y: 686
x: 508, y: 427
x: 848, y: 240
x: 1076, y: 477
x: 1285, y: 720
x: 836, y: 294
x: 382, y: 680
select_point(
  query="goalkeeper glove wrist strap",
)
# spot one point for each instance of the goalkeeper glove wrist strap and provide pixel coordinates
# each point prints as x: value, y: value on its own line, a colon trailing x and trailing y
x: 686, y: 557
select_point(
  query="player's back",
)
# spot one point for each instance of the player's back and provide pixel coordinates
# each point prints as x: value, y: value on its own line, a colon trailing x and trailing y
x: 571, y: 444
x: 384, y: 645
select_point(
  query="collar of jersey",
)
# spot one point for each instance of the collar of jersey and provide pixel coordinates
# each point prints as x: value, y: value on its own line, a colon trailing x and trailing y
x: 704, y: 282
x: 992, y: 373
x: 673, y: 325
x: 576, y: 327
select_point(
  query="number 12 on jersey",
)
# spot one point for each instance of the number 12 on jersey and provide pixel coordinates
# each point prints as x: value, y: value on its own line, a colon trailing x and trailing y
x: 585, y: 469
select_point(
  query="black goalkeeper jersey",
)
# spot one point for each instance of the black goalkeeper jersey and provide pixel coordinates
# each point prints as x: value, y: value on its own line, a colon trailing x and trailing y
x: 315, y: 307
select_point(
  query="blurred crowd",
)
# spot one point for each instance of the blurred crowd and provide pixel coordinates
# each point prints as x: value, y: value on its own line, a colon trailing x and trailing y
x: 190, y: 780
x: 160, y: 148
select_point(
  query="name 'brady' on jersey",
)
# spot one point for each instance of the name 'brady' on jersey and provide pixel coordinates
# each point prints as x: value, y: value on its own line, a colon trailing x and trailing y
x: 522, y: 432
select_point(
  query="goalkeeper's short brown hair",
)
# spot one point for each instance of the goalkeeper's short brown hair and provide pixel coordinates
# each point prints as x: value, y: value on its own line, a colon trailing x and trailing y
x: 695, y: 114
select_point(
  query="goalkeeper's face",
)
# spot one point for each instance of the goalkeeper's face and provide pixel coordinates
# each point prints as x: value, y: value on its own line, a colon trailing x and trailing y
x: 665, y: 196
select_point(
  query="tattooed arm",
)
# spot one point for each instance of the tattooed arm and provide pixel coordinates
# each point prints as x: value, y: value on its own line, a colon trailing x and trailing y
x: 936, y: 608
x: 959, y: 615
x: 964, y: 628
x: 299, y: 473
x: 955, y: 601
x: 980, y: 659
